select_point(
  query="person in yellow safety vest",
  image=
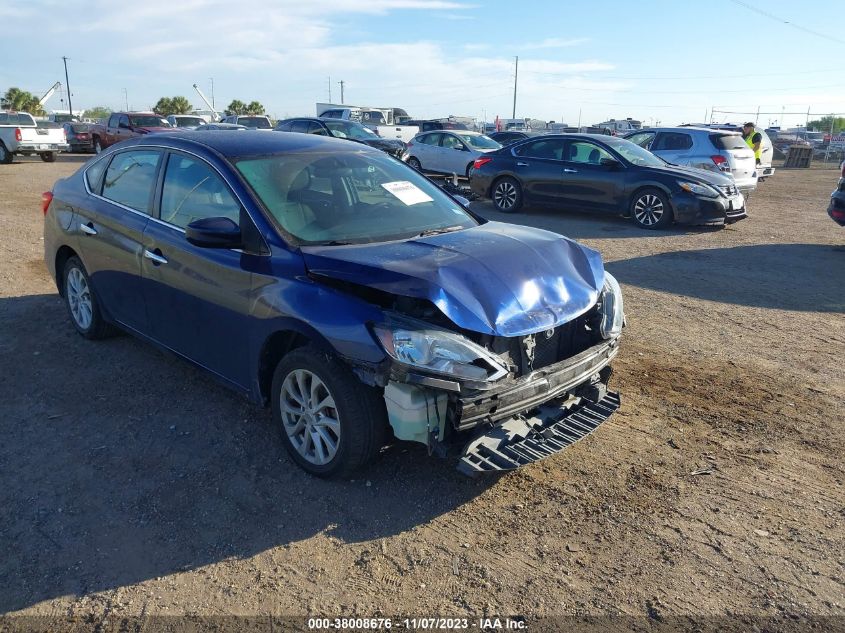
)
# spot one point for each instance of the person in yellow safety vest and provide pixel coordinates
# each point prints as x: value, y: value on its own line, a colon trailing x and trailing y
x: 753, y: 139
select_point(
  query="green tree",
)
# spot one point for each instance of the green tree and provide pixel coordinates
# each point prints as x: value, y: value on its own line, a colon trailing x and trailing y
x: 180, y: 105
x: 97, y: 112
x: 21, y: 100
x: 172, y: 105
x: 823, y: 124
x: 236, y: 107
x: 254, y: 108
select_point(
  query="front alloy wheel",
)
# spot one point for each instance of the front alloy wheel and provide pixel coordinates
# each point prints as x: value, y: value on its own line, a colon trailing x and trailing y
x: 507, y: 195
x: 651, y: 210
x: 330, y: 422
x: 310, y: 417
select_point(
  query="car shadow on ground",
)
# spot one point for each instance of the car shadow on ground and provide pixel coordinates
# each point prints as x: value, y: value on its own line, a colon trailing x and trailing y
x: 782, y: 276
x: 122, y: 463
x: 580, y: 225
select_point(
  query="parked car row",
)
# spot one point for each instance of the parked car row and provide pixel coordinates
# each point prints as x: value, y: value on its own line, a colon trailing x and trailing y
x: 836, y: 207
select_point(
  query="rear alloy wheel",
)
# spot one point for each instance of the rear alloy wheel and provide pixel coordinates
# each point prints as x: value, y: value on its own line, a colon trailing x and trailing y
x: 415, y: 163
x: 5, y: 155
x: 507, y: 195
x: 331, y: 424
x: 650, y: 209
x: 81, y: 301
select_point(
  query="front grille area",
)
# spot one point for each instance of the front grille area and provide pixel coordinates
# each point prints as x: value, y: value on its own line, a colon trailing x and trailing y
x: 729, y: 190
x: 527, y: 353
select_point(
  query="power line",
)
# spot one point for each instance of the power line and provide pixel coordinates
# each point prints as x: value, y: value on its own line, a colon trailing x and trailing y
x: 787, y: 22
x: 690, y: 77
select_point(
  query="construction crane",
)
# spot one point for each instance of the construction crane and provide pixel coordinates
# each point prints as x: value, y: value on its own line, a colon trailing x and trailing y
x: 49, y: 93
x: 214, y: 115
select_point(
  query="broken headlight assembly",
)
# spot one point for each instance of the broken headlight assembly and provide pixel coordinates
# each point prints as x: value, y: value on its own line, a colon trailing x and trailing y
x: 439, y: 352
x: 611, y: 308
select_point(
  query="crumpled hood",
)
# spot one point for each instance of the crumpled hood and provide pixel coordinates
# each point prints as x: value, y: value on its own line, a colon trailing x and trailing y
x: 496, y: 278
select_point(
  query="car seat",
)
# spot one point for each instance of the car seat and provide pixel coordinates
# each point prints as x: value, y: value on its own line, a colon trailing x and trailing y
x: 595, y: 156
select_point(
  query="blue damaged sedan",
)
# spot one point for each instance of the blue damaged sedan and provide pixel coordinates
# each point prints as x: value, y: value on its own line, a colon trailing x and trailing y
x: 343, y: 289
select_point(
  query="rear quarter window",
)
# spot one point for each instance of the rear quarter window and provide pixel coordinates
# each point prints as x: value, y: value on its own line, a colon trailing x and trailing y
x: 94, y: 175
x: 727, y: 141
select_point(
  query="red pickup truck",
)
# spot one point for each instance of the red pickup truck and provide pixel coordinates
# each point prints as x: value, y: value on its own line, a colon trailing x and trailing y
x: 124, y: 125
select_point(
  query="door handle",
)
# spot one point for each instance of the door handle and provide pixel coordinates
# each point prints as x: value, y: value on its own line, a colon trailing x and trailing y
x: 570, y: 171
x: 521, y: 164
x: 88, y: 229
x: 155, y: 258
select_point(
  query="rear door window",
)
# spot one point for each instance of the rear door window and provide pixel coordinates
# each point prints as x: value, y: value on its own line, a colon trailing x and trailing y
x: 728, y: 141
x: 130, y: 179
x: 316, y: 128
x: 431, y: 139
x: 192, y: 190
x: 671, y: 141
x: 94, y: 175
x: 551, y: 149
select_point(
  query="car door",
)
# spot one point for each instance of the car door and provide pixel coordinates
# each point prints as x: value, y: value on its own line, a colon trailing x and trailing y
x: 673, y: 147
x: 539, y: 167
x: 426, y: 148
x: 587, y: 183
x: 111, y: 230
x: 452, y: 155
x: 198, y: 298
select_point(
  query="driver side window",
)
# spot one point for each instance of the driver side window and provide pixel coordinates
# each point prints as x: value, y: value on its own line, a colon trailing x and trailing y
x: 450, y: 142
x: 193, y: 191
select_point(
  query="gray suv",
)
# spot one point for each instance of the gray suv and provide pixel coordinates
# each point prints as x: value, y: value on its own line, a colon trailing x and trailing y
x: 722, y: 151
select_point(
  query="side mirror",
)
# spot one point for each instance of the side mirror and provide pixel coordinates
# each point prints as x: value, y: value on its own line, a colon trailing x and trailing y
x: 460, y: 148
x: 214, y: 233
x: 610, y: 162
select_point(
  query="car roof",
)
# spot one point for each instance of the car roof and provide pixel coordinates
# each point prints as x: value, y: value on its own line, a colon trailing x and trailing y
x: 683, y: 128
x: 249, y: 142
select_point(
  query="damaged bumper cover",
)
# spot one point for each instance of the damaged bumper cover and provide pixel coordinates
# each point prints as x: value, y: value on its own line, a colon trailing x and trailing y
x: 523, y: 440
x: 523, y: 394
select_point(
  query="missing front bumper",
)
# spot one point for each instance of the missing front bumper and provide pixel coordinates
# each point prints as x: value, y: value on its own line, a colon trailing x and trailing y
x: 524, y: 440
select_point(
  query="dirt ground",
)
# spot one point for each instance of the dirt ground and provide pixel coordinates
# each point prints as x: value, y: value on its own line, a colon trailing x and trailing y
x: 132, y: 484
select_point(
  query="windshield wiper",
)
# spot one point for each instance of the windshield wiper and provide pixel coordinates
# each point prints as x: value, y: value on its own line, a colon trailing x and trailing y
x: 330, y: 243
x: 447, y: 229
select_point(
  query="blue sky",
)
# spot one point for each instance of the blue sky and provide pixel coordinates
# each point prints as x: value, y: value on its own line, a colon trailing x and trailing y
x: 656, y: 60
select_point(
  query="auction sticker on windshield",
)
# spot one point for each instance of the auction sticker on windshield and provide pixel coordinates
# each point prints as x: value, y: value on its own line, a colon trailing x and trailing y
x: 407, y: 192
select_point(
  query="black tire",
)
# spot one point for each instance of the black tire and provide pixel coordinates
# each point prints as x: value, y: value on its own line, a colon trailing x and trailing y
x: 650, y: 209
x: 97, y: 328
x: 6, y: 156
x: 98, y: 147
x: 414, y: 162
x: 48, y: 157
x: 359, y: 410
x: 506, y: 193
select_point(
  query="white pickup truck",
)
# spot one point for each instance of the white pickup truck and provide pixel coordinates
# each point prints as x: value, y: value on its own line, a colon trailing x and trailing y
x: 380, y: 120
x: 19, y: 134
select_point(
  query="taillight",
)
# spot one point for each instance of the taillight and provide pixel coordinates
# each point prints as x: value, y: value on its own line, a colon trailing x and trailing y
x: 480, y: 162
x: 46, y: 199
x: 82, y: 135
x: 721, y: 162
x: 18, y: 136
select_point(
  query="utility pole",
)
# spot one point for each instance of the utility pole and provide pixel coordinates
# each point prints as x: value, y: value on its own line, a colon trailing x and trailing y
x: 341, y: 82
x: 212, y: 93
x: 330, y: 88
x: 67, y: 85
x: 515, y: 75
x: 126, y: 99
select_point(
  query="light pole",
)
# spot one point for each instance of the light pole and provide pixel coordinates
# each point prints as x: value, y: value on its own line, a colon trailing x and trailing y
x: 67, y: 85
x: 126, y: 99
x: 212, y: 93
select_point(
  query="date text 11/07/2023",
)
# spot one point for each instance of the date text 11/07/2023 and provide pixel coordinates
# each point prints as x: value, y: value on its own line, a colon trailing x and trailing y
x: 420, y: 623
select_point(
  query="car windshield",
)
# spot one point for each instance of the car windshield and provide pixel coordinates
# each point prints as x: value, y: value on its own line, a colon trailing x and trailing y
x: 188, y: 121
x: 345, y: 129
x: 331, y: 197
x: 148, y: 121
x: 258, y: 122
x: 479, y: 141
x: 636, y: 155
